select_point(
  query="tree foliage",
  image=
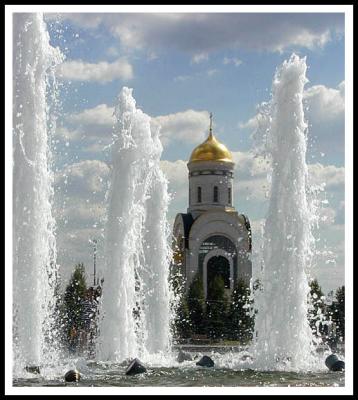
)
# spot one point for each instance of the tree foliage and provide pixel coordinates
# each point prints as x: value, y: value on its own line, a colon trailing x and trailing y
x: 196, y: 305
x: 217, y: 318
x: 182, y: 323
x: 317, y: 312
x: 74, y: 296
x: 241, y: 317
x: 216, y: 308
x: 337, y: 312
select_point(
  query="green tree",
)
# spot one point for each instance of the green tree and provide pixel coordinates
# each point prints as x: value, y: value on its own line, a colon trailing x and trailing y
x: 73, y: 298
x: 241, y: 320
x: 196, y: 304
x: 337, y: 310
x: 216, y: 308
x: 59, y: 317
x: 182, y: 322
x: 316, y: 313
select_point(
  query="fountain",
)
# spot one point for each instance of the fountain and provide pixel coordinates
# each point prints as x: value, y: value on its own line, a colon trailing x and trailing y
x: 34, y: 247
x: 135, y: 309
x: 154, y: 274
x: 283, y: 331
x: 136, y: 295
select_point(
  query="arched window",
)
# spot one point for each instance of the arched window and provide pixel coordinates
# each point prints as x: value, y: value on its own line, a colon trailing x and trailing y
x: 229, y: 195
x: 199, y: 194
x: 216, y: 194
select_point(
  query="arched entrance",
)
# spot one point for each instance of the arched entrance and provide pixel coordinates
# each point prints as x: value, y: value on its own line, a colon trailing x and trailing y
x: 218, y: 262
x: 218, y: 266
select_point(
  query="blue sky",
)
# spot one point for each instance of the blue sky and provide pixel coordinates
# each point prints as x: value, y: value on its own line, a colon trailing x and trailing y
x: 181, y: 67
x: 167, y: 80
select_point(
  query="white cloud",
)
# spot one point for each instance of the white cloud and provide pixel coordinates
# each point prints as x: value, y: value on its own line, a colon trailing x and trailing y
x: 190, y: 126
x: 98, y: 147
x: 85, y: 20
x: 176, y: 172
x: 198, y: 75
x: 249, y: 166
x: 235, y: 61
x: 80, y: 209
x: 182, y: 78
x: 152, y: 56
x: 211, y: 72
x: 80, y: 214
x: 250, y: 176
x: 321, y: 104
x: 66, y: 134
x: 85, y: 178
x: 95, y: 125
x: 341, y: 88
x: 92, y: 124
x: 102, y: 72
x: 324, y: 109
x: 205, y: 32
x: 330, y: 175
x: 200, y: 57
x: 112, y: 51
x: 324, y: 103
x: 254, y: 123
x: 100, y: 115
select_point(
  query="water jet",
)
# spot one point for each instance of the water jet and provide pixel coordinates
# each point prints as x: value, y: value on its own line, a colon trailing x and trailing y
x: 34, y: 246
x: 136, y: 292
x: 283, y: 331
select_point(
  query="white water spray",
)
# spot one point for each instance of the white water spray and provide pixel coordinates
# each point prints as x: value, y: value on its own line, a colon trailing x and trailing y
x: 155, y: 272
x: 136, y: 293
x: 34, y: 247
x: 281, y: 323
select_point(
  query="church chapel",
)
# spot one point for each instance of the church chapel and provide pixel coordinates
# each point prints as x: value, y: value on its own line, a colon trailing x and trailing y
x: 212, y: 238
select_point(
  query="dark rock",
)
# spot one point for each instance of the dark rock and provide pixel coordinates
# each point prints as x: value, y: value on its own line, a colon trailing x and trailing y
x: 205, y: 361
x: 135, y: 367
x: 334, y: 364
x: 72, y: 376
x: 34, y: 369
x: 184, y: 356
x: 246, y: 357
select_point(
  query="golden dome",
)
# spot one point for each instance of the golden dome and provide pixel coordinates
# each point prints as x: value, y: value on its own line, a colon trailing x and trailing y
x: 211, y: 150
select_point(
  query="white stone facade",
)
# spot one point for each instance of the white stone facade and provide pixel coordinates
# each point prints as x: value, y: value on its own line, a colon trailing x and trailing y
x: 208, y: 175
x: 212, y: 232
